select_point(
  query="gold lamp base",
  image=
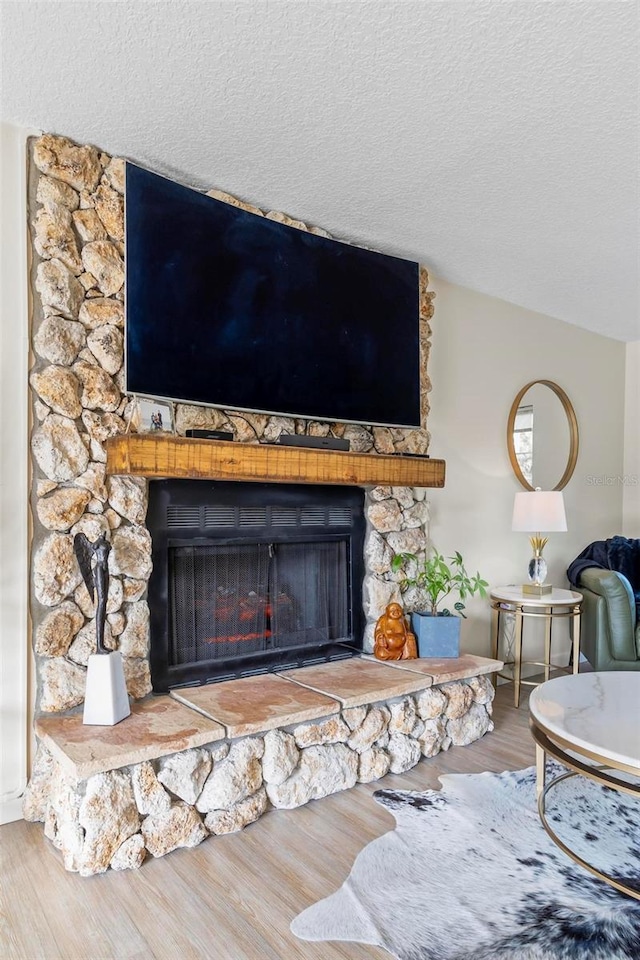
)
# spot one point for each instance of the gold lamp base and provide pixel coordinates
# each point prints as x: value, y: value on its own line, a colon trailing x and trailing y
x: 536, y: 589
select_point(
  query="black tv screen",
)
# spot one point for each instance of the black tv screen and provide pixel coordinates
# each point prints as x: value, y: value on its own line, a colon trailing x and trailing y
x: 230, y: 309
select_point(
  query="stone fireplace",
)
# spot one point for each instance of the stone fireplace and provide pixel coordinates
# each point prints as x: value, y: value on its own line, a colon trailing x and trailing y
x: 227, y: 579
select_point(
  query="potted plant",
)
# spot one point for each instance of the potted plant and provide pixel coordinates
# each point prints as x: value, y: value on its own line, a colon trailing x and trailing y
x: 434, y: 578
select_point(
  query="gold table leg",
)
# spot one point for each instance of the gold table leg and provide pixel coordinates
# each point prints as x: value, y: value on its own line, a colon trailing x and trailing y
x: 541, y: 766
x: 495, y: 638
x: 547, y: 641
x: 575, y: 623
x: 517, y: 655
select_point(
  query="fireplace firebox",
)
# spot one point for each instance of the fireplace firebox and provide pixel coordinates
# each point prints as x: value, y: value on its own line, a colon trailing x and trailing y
x: 252, y: 577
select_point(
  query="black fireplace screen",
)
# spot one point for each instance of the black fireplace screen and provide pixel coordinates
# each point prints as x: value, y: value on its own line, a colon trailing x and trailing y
x: 252, y: 577
x: 235, y: 599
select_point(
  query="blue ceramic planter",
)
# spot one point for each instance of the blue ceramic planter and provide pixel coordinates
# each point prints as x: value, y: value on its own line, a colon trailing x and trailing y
x: 436, y: 636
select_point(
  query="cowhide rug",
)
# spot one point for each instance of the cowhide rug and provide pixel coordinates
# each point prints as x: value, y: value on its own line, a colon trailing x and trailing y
x: 469, y: 873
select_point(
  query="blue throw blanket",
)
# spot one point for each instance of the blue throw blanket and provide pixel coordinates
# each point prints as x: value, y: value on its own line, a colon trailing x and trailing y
x: 618, y: 553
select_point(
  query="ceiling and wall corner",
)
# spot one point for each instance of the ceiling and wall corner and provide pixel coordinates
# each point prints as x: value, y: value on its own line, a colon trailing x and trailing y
x: 495, y: 142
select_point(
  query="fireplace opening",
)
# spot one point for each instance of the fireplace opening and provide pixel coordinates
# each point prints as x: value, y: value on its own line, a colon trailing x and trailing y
x: 249, y: 578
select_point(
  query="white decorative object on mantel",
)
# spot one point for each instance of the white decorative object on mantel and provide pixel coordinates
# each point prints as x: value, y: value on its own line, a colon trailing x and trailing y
x: 106, y: 701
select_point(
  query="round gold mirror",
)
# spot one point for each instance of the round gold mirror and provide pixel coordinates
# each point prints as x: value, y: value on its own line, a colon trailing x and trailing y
x: 542, y: 436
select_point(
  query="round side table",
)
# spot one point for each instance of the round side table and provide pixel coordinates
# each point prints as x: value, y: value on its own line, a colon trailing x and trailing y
x: 558, y: 604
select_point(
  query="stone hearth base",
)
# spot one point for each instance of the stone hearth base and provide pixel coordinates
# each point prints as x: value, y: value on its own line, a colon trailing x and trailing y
x: 172, y: 774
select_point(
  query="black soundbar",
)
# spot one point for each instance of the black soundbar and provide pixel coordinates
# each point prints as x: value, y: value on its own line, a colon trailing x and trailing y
x: 422, y: 456
x: 318, y: 443
x: 209, y: 434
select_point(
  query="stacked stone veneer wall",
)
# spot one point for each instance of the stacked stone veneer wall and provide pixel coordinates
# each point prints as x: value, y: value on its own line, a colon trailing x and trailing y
x: 115, y: 819
x: 77, y: 380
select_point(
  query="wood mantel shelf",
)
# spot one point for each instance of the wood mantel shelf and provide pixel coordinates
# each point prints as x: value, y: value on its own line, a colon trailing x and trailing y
x: 153, y: 456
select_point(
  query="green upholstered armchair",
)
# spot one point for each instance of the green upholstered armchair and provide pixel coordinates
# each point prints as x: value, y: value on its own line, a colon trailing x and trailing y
x: 609, y: 635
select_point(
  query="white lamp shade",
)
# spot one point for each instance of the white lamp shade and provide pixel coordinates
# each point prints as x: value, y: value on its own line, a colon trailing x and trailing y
x: 540, y: 511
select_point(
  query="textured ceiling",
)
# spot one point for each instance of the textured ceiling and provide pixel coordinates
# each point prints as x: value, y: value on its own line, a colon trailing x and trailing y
x: 496, y: 142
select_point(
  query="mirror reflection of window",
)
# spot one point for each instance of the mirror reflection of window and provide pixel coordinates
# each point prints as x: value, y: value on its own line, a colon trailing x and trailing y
x: 523, y: 440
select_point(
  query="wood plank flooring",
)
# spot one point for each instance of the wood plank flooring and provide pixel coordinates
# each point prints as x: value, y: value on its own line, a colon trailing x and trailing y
x: 233, y: 897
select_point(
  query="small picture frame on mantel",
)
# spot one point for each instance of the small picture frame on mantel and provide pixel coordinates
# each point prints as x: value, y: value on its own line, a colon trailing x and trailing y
x: 151, y: 416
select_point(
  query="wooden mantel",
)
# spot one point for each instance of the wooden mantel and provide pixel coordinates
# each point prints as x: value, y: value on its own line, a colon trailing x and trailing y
x: 153, y: 456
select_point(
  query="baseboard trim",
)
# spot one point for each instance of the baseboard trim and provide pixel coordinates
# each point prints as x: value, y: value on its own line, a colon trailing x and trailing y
x: 11, y: 810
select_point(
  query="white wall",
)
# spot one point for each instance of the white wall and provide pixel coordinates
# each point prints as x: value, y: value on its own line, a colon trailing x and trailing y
x: 483, y: 352
x: 14, y: 496
x: 631, y: 473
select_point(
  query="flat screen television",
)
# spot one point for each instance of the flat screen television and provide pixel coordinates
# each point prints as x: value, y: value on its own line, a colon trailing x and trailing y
x: 229, y: 309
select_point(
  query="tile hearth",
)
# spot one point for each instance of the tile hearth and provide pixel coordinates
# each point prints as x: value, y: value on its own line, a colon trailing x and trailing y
x: 256, y: 704
x: 447, y: 669
x: 216, y: 759
x: 156, y: 728
x: 359, y: 681
x: 194, y: 716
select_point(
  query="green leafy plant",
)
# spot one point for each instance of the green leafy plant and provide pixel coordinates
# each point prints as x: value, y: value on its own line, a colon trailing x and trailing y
x: 436, y: 578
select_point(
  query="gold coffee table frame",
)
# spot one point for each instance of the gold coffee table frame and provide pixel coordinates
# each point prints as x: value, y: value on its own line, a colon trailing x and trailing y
x: 599, y: 769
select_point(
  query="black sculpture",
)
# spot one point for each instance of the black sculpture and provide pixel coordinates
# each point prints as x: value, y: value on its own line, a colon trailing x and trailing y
x: 97, y: 575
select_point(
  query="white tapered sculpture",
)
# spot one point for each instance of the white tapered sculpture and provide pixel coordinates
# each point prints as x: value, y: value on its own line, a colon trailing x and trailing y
x: 105, y: 700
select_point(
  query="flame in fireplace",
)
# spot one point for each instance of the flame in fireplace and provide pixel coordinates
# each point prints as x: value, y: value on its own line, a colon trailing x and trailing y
x: 230, y: 610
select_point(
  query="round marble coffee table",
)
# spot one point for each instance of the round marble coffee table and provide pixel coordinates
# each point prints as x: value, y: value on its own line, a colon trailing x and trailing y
x: 589, y: 722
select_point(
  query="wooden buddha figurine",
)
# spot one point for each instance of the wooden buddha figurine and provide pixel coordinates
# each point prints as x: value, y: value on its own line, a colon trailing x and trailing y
x: 393, y: 639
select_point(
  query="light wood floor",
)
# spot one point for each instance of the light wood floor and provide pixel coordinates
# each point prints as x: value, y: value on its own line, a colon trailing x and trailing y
x: 233, y: 897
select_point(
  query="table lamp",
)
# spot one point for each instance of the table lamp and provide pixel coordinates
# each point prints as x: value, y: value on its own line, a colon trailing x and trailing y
x: 533, y: 512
